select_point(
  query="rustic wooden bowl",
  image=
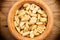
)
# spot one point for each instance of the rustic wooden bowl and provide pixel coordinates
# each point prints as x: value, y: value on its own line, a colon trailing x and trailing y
x: 16, y: 6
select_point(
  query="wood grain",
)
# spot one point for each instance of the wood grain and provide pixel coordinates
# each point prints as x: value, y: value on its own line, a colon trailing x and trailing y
x: 5, y: 6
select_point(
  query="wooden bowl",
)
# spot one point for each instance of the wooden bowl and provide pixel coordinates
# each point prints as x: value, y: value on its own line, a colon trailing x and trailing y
x: 16, y: 6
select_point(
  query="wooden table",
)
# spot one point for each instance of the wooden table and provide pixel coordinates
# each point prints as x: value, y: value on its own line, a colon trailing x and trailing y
x: 5, y: 6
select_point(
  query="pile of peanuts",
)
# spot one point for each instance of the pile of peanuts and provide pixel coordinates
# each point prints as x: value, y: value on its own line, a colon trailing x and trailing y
x: 30, y: 20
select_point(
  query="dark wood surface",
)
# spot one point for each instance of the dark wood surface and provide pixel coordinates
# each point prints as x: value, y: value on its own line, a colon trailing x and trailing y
x: 5, y: 6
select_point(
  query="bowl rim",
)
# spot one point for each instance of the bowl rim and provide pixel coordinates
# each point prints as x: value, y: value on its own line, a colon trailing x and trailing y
x: 18, y: 5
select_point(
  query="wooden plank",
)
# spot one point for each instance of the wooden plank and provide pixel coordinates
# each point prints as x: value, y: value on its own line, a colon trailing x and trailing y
x: 6, y: 10
x: 9, y: 0
x: 5, y: 6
